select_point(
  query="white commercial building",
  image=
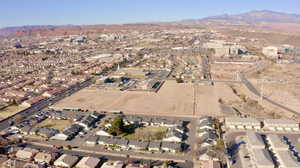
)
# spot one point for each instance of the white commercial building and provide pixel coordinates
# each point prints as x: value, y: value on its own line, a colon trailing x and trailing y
x: 276, y: 143
x: 280, y: 125
x: 243, y: 123
x: 286, y: 160
x: 255, y: 141
x: 262, y: 159
x: 270, y: 51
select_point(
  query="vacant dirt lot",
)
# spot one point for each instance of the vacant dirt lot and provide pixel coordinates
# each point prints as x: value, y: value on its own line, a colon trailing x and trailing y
x: 226, y: 71
x: 172, y: 99
x: 283, y: 85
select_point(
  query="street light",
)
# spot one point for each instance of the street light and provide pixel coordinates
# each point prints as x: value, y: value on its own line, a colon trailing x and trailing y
x: 267, y: 80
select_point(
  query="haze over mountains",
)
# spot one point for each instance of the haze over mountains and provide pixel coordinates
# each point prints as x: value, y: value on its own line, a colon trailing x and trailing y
x: 264, y: 19
x: 259, y: 16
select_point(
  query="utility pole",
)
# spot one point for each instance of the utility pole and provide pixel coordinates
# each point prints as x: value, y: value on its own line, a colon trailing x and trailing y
x: 261, y: 93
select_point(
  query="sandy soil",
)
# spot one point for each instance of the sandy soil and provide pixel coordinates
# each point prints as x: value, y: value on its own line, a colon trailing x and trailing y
x: 172, y: 99
x: 226, y: 71
x: 286, y: 92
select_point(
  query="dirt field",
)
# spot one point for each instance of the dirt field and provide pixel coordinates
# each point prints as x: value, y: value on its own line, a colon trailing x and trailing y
x: 280, y: 92
x: 172, y: 99
x: 226, y: 71
x: 10, y: 110
x: 55, y: 124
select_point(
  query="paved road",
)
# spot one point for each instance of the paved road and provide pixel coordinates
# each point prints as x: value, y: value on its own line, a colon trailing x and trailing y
x: 251, y: 88
x: 206, y: 68
x: 5, y: 123
x: 221, y: 81
x: 104, y: 157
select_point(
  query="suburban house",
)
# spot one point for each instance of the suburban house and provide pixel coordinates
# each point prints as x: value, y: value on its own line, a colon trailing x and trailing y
x: 92, y: 140
x: 87, y: 121
x: 173, y: 136
x: 47, y: 132
x: 137, y: 165
x: 138, y: 144
x: 32, y: 165
x: 43, y: 157
x: 26, y: 153
x: 88, y: 162
x: 154, y: 146
x: 25, y: 130
x: 180, y: 129
x: 122, y: 143
x: 66, y: 161
x: 105, y: 140
x: 68, y: 133
x: 103, y: 131
x: 171, y: 147
x: 205, y: 124
x: 113, y: 164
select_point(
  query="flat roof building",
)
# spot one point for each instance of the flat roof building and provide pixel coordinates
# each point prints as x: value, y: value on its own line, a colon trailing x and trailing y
x: 286, y: 160
x: 270, y: 51
x: 280, y: 125
x: 242, y: 123
x: 255, y: 141
x: 262, y: 159
x: 276, y: 143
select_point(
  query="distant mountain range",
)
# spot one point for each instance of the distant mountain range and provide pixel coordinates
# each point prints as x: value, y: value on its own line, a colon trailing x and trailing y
x: 264, y: 19
x: 259, y: 16
x: 11, y: 30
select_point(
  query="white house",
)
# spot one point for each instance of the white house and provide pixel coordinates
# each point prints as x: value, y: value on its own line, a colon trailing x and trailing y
x: 103, y: 132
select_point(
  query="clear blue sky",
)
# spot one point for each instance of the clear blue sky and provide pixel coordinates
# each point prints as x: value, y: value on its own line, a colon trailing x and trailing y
x: 59, y: 12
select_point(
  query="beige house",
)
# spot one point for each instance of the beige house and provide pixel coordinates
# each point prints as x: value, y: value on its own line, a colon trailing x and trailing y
x: 43, y: 157
x: 66, y: 161
x: 26, y: 153
x: 88, y: 162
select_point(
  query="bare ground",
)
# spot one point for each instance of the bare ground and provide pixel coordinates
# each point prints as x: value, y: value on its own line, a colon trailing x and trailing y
x: 172, y: 99
x: 285, y: 92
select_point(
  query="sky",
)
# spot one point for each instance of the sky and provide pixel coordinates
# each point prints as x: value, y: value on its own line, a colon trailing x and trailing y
x: 88, y: 12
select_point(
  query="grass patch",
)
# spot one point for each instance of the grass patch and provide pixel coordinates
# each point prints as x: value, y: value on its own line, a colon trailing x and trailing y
x: 147, y: 133
x: 55, y: 124
x: 10, y: 110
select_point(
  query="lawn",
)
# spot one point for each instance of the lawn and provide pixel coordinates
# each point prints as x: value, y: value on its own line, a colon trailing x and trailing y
x: 55, y: 124
x: 10, y: 110
x: 148, y: 133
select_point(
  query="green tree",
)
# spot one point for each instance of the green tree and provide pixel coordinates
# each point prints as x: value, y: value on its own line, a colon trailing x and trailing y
x: 166, y: 164
x: 69, y: 147
x: 179, y: 80
x: 117, y: 126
